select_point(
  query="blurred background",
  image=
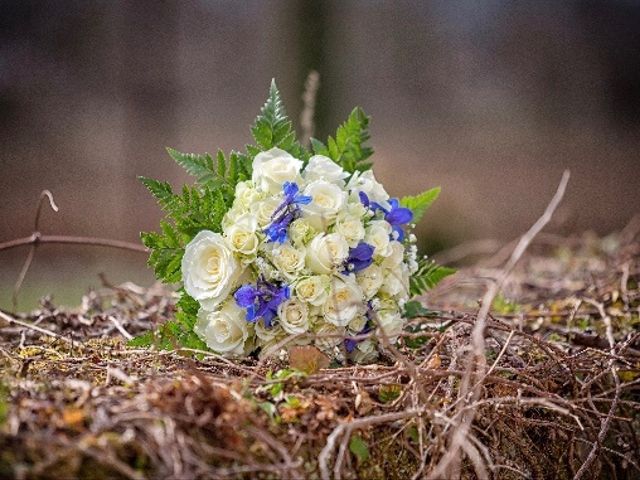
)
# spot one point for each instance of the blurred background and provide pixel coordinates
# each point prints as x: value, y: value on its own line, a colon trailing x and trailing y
x: 489, y: 99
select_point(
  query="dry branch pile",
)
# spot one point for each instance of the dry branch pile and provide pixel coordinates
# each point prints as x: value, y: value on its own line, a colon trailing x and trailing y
x: 558, y: 396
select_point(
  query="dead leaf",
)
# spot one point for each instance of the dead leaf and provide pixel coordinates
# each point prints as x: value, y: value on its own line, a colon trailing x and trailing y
x: 307, y: 359
x: 73, y: 417
x: 434, y: 362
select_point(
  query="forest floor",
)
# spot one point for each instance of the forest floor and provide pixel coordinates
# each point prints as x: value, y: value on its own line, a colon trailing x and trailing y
x: 555, y: 395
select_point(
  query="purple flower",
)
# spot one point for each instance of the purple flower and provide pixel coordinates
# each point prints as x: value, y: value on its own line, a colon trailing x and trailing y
x: 351, y: 343
x: 360, y: 257
x: 261, y: 300
x: 395, y: 215
x: 286, y: 212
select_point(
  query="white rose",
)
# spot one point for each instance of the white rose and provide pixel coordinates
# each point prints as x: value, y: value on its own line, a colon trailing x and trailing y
x: 241, y: 236
x: 370, y: 280
x: 293, y: 316
x: 320, y: 167
x: 274, y: 167
x: 357, y: 324
x: 326, y: 252
x: 209, y: 269
x: 267, y: 334
x: 263, y: 210
x: 329, y: 336
x: 288, y: 259
x: 231, y: 216
x: 366, y: 182
x: 327, y: 200
x: 391, y: 323
x: 396, y: 256
x: 313, y: 290
x: 225, y: 330
x: 301, y: 231
x: 377, y: 235
x: 356, y: 208
x: 351, y: 228
x: 405, y: 293
x: 246, y: 195
x: 393, y: 283
x: 365, y: 352
x: 344, y: 303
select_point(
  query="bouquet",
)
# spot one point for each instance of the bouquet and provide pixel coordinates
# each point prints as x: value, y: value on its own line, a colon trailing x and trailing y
x: 280, y: 241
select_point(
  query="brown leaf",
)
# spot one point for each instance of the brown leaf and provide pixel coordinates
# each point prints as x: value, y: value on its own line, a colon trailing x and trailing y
x: 434, y: 362
x: 307, y: 359
x: 73, y: 417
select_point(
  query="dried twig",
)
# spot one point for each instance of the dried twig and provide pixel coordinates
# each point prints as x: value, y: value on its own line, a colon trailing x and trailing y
x: 35, y: 328
x: 36, y: 238
x: 459, y: 434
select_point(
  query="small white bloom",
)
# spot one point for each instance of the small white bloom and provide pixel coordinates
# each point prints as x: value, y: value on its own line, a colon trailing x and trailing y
x: 274, y: 167
x: 293, y: 316
x: 323, y: 168
x: 351, y: 228
x: 225, y: 330
x: 366, y: 182
x: 370, y: 280
x: 326, y: 252
x: 242, y: 236
x: 377, y: 236
x: 344, y: 303
x: 313, y: 290
x: 327, y: 200
x: 288, y: 259
x: 209, y: 269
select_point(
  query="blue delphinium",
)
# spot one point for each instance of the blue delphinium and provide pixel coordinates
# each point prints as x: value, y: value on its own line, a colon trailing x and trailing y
x: 261, y: 300
x: 286, y: 212
x: 360, y: 257
x: 395, y: 215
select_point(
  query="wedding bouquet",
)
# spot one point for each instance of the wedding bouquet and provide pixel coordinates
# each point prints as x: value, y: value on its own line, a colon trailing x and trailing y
x: 280, y: 242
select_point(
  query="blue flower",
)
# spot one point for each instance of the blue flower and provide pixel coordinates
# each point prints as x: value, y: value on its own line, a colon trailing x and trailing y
x: 286, y: 212
x: 360, y: 257
x: 395, y: 215
x: 261, y: 300
x: 351, y: 343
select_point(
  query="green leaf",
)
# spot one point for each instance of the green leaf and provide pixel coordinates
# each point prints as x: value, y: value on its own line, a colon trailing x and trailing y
x: 359, y: 448
x: 162, y: 191
x: 389, y: 392
x: 146, y: 339
x: 415, y: 309
x: 200, y: 166
x: 273, y: 128
x: 348, y: 148
x: 419, y: 204
x: 269, y: 408
x: 429, y: 274
x: 166, y: 253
